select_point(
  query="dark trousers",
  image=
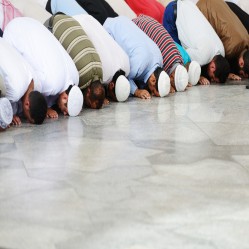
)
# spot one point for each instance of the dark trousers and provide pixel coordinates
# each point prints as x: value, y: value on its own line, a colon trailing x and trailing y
x: 241, y: 14
x: 99, y: 9
x: 48, y: 7
x: 1, y: 33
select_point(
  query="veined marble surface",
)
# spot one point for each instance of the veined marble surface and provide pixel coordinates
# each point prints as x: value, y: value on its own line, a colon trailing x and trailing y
x: 169, y: 173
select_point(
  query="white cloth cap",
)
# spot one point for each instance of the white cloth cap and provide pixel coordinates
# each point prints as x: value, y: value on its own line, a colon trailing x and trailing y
x: 2, y: 87
x: 194, y: 72
x: 122, y: 88
x: 75, y: 101
x: 181, y: 78
x: 163, y: 84
x: 6, y: 112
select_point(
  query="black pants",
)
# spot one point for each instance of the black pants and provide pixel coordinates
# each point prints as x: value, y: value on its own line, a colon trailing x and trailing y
x: 1, y: 33
x: 241, y: 14
x: 48, y: 7
x: 99, y: 9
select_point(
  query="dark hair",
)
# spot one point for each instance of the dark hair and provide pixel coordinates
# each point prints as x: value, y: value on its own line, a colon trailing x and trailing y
x: 222, y: 68
x: 246, y: 62
x: 97, y: 93
x: 38, y: 107
x: 157, y: 73
x: 117, y: 74
x: 115, y: 77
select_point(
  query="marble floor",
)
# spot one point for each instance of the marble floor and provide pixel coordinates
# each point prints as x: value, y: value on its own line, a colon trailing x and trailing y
x: 169, y: 173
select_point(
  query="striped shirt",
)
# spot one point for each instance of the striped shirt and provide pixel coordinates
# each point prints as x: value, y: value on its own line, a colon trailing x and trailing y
x: 74, y: 39
x: 170, y: 53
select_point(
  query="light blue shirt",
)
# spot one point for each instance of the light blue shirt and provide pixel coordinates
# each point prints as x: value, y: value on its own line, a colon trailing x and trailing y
x: 143, y: 53
x: 185, y: 56
x: 68, y: 7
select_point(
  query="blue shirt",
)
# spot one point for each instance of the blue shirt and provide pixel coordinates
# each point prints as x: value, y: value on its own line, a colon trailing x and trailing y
x: 68, y: 7
x: 143, y: 53
x: 185, y: 56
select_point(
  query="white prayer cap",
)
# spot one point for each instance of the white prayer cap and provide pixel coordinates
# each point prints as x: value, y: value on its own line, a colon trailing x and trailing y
x: 2, y: 86
x: 6, y: 113
x: 75, y: 101
x: 181, y: 78
x: 163, y: 84
x: 122, y: 88
x: 194, y: 72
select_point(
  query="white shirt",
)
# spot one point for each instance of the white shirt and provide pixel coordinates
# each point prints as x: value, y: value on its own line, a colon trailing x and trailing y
x: 51, y: 66
x: 112, y: 56
x: 194, y: 1
x: 14, y: 71
x: 196, y: 33
x: 233, y: 1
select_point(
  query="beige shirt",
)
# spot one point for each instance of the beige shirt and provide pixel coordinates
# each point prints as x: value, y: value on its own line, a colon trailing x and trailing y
x: 32, y: 9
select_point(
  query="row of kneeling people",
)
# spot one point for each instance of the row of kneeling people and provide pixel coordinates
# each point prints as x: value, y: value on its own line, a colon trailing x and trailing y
x: 75, y: 55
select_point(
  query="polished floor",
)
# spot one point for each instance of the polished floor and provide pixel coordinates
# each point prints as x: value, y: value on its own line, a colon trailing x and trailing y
x: 169, y: 173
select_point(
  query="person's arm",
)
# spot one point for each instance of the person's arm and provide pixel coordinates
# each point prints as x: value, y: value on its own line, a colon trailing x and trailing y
x: 51, y: 111
x: 17, y: 110
x: 139, y: 93
x: 142, y: 93
x: 133, y: 86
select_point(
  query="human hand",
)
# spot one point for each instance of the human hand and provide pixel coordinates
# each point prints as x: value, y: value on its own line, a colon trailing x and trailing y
x: 204, y: 81
x: 51, y: 113
x: 233, y: 76
x: 16, y: 120
x: 143, y: 94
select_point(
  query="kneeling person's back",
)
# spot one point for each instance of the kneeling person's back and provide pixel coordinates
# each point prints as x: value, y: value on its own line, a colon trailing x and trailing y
x: 74, y: 39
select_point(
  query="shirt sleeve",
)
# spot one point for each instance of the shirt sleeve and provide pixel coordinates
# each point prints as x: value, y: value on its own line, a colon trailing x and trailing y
x: 133, y: 86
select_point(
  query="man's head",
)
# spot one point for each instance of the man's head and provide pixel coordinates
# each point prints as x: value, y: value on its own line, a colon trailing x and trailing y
x: 94, y: 95
x: 158, y: 83
x: 34, y: 107
x: 70, y: 102
x: 243, y: 64
x: 119, y: 88
x: 218, y: 69
x: 179, y: 78
x: 194, y: 72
